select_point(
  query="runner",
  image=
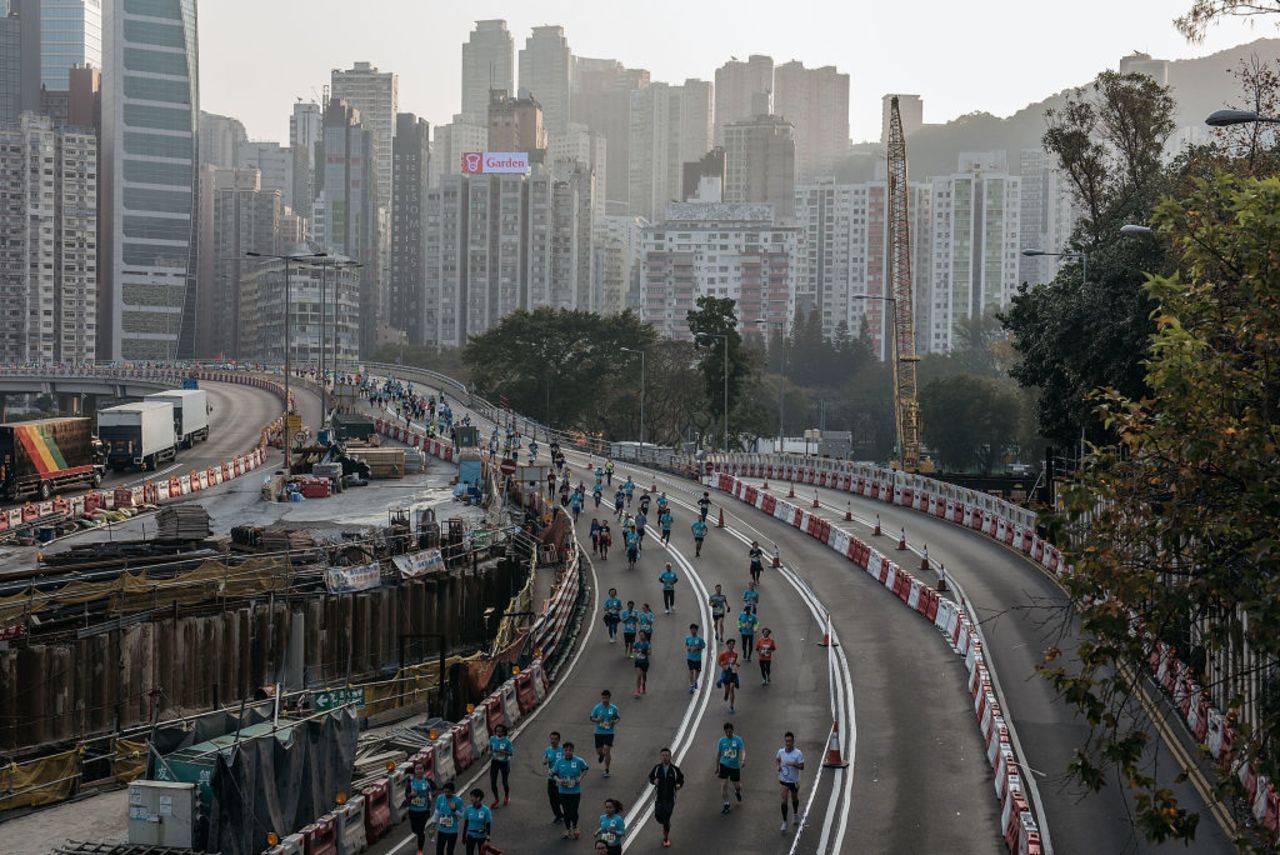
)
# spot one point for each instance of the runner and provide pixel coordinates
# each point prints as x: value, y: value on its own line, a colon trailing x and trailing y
x: 606, y: 718
x: 693, y: 647
x: 644, y: 503
x: 597, y: 493
x: 612, y: 614
x: 731, y: 756
x: 668, y: 578
x: 757, y: 561
x: 728, y: 662
x: 642, y: 648
x: 501, y: 750
x: 448, y: 816
x: 568, y: 774
x: 747, y: 622
x: 751, y: 597
x: 699, y: 533
x: 642, y: 520
x: 619, y: 502
x: 417, y: 794
x: 764, y: 652
x: 630, y: 623
x: 646, y: 619
x: 719, y: 606
x: 704, y: 505
x: 629, y: 487
x: 633, y: 549
x: 608, y: 471
x: 665, y: 520
x: 606, y: 539
x: 595, y: 536
x: 477, y: 823
x: 790, y: 763
x: 599, y: 475
x: 667, y: 780
x: 662, y: 500
x: 613, y: 828
x: 551, y: 755
x: 575, y: 506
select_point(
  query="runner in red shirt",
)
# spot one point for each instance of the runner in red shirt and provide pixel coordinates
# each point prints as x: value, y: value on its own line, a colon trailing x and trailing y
x: 765, y: 645
x: 728, y: 662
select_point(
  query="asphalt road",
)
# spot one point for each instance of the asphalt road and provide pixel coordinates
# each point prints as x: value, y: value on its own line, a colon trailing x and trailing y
x: 919, y: 776
x: 1022, y: 611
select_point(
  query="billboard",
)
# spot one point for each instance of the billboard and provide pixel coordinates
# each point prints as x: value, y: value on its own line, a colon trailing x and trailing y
x: 495, y: 162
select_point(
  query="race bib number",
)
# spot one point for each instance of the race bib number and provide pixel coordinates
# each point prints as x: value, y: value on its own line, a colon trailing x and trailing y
x: 446, y: 822
x: 610, y: 838
x: 730, y: 754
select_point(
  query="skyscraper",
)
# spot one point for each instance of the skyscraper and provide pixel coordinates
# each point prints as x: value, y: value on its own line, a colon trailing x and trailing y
x: 48, y: 257
x: 488, y: 62
x: 451, y: 141
x: 274, y: 162
x: 737, y: 84
x: 70, y: 35
x: 19, y: 58
x: 306, y: 130
x: 1047, y: 215
x: 602, y: 101
x: 376, y: 94
x: 516, y: 124
x: 546, y: 73
x: 760, y: 164
x: 220, y: 139
x: 670, y: 126
x: 349, y: 205
x: 816, y: 102
x: 150, y: 107
x: 411, y: 158
x: 582, y: 147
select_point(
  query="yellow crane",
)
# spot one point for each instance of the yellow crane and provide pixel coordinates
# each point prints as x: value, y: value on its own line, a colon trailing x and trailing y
x: 905, y: 394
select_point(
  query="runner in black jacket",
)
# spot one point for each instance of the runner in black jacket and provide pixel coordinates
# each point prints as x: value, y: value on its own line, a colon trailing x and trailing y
x: 667, y: 779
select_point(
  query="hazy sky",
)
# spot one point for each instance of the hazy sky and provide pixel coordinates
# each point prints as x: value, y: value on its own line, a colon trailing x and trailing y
x: 257, y: 56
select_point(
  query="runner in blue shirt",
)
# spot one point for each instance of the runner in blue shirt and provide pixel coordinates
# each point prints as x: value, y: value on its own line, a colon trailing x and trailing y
x: 575, y: 506
x: 747, y: 622
x: 619, y: 502
x: 751, y: 597
x: 417, y: 792
x: 731, y: 756
x: 693, y: 647
x: 699, y: 532
x: 606, y: 717
x: 551, y: 755
x: 629, y: 487
x: 630, y: 623
x: 568, y: 772
x: 612, y: 612
x: 599, y: 475
x: 668, y: 578
x: 665, y: 520
x: 633, y: 548
x: 646, y: 619
x: 477, y: 823
x: 662, y: 500
x: 597, y: 493
x: 642, y: 520
x: 642, y: 648
x: 501, y: 750
x: 448, y: 813
x: 613, y: 828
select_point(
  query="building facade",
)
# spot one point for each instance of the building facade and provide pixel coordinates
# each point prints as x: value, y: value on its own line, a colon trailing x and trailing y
x: 546, y: 73
x: 150, y: 109
x: 670, y: 126
x: 350, y: 210
x: 488, y: 62
x: 516, y: 124
x: 760, y: 164
x: 816, y: 102
x: 317, y: 297
x: 581, y: 147
x: 220, y: 140
x: 275, y: 162
x: 70, y: 36
x: 19, y: 58
x: 738, y: 85
x: 411, y: 160
x: 601, y: 100
x: 615, y: 261
x: 376, y: 94
x: 449, y: 144
x: 1047, y: 216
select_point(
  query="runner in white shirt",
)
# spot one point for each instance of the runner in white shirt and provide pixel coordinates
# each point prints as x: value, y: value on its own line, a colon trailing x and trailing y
x: 789, y: 762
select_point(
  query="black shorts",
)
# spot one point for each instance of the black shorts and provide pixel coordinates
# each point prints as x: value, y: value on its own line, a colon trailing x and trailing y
x: 794, y: 788
x: 730, y: 773
x: 603, y: 739
x: 642, y: 664
x: 728, y: 678
x: 628, y: 637
x: 694, y: 664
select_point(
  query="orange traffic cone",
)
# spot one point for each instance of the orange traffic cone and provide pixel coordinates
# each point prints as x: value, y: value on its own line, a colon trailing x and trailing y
x: 834, y: 760
x: 924, y: 559
x: 942, y: 578
x: 766, y: 484
x: 777, y: 557
x: 792, y: 493
x: 654, y: 488
x: 720, y: 522
x: 826, y: 635
x: 902, y: 539
x: 877, y: 531
x: 848, y: 511
x: 815, y: 499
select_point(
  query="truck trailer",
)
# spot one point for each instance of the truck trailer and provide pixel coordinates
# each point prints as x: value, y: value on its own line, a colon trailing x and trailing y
x: 138, y: 436
x: 190, y: 414
x: 40, y: 458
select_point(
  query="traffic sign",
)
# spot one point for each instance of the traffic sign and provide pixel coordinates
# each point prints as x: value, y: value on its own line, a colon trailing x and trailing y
x: 508, y: 467
x: 335, y: 698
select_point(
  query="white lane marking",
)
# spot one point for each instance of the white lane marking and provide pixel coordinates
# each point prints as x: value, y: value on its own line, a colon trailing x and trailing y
x: 153, y: 475
x: 528, y: 720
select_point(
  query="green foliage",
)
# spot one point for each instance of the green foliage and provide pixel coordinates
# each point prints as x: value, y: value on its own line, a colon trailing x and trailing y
x: 970, y: 421
x: 715, y: 320
x: 1182, y: 505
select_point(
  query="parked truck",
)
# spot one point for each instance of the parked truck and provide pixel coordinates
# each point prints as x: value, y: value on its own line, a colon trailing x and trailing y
x: 190, y: 414
x: 40, y: 458
x: 138, y: 436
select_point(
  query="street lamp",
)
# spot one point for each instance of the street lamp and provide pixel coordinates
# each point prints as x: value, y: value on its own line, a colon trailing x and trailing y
x: 641, y: 352
x: 764, y: 324
x: 287, y: 259
x: 1226, y: 118
x: 725, y: 337
x: 1083, y: 256
x: 1134, y: 230
x: 338, y: 264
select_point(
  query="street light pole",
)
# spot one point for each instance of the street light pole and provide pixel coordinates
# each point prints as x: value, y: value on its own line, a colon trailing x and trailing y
x: 641, y: 352
x: 782, y: 367
x: 1082, y: 255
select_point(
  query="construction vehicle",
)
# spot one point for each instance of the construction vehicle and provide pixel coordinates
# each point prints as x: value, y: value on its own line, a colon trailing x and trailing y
x: 40, y: 458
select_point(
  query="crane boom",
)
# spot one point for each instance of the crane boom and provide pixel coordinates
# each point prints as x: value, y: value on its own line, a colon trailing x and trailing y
x: 906, y: 402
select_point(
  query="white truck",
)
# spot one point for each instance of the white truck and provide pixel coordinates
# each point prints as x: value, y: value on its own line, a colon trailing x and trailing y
x: 190, y: 414
x: 138, y: 436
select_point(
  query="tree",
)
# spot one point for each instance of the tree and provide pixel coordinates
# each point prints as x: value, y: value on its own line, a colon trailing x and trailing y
x: 714, y: 320
x: 1182, y: 506
x: 1204, y: 13
x: 970, y: 421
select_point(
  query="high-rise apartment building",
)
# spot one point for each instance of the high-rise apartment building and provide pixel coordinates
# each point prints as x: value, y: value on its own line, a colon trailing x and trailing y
x: 237, y: 216
x: 616, y: 246
x: 738, y: 85
x: 150, y: 107
x: 488, y: 62
x: 262, y: 302
x: 79, y: 105
x: 220, y: 140
x: 274, y: 161
x: 581, y: 147
x: 70, y: 36
x: 411, y: 159
x: 516, y: 124
x: 376, y: 94
x: 49, y: 252
x: 910, y: 110
x: 1047, y: 216
x: 451, y: 141
x: 1143, y: 63
x: 306, y: 131
x: 710, y: 166
x: 670, y: 126
x: 350, y: 209
x: 976, y: 242
x: 546, y: 73
x: 601, y: 100
x: 760, y: 164
x: 816, y: 102
x: 19, y: 58
x: 726, y: 250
